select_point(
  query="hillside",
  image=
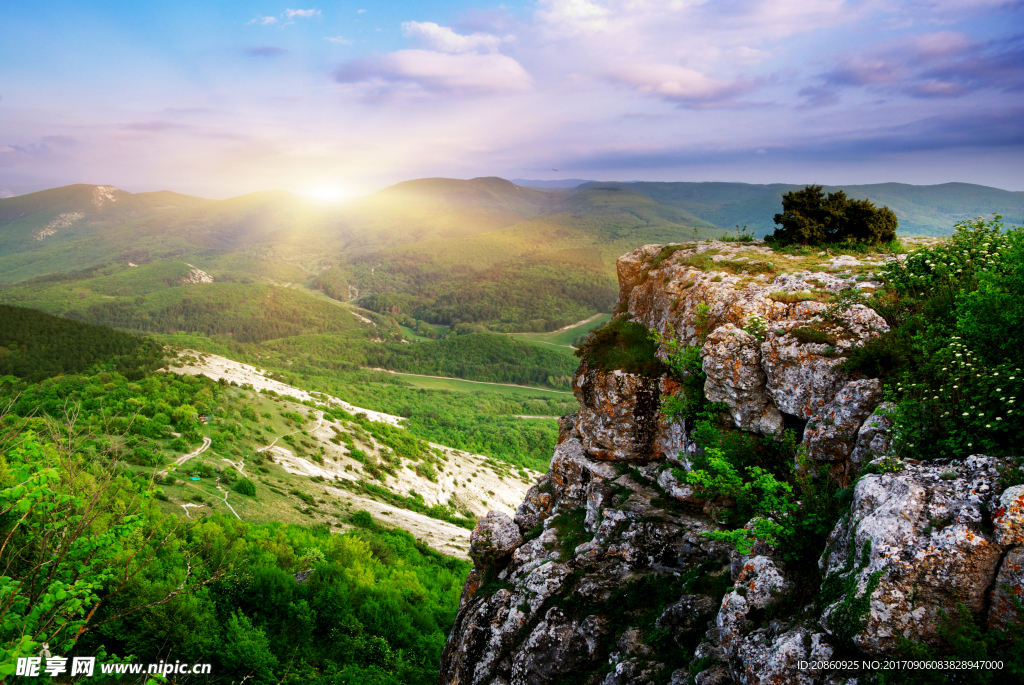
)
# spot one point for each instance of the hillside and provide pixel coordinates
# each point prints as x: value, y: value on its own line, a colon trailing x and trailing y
x: 922, y: 210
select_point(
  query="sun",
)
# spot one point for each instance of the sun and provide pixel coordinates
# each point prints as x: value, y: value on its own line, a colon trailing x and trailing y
x: 327, y: 192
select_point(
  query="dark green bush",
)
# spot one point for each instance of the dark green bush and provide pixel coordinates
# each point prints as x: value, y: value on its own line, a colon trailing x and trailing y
x: 244, y: 486
x: 624, y: 345
x: 809, y: 217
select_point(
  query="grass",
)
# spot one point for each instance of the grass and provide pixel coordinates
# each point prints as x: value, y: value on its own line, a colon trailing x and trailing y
x: 563, y: 338
x: 624, y: 345
x: 792, y: 298
x: 458, y: 385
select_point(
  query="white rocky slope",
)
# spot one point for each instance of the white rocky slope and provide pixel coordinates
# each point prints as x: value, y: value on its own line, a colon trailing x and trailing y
x: 604, y: 576
x: 472, y: 482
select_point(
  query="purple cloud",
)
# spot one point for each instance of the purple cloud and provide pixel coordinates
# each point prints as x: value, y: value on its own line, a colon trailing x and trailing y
x: 938, y: 65
x: 685, y: 87
x: 437, y: 72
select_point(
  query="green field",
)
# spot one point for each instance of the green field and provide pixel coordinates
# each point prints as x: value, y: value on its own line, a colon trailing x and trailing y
x: 561, y: 340
x: 431, y: 383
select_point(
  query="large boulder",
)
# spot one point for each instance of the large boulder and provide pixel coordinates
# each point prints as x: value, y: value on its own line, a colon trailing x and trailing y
x: 619, y: 413
x: 732, y: 363
x: 831, y: 433
x: 572, y: 470
x: 1008, y: 592
x: 536, y: 505
x: 915, y: 541
x: 873, y: 437
x: 495, y: 537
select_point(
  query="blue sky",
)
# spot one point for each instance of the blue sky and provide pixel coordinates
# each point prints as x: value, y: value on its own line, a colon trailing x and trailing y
x: 347, y: 97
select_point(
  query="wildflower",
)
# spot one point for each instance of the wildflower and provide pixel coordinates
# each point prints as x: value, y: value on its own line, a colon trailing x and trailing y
x: 999, y: 418
x: 966, y: 414
x: 988, y: 425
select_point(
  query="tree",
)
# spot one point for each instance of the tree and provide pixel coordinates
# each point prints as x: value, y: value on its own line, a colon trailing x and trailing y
x: 809, y: 217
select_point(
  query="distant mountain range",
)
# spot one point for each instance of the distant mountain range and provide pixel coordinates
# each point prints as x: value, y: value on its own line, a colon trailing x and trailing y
x: 444, y: 251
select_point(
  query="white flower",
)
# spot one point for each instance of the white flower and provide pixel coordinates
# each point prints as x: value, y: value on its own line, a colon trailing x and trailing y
x: 988, y: 425
x: 966, y: 413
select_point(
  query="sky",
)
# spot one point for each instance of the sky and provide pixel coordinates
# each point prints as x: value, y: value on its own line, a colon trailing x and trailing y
x: 344, y: 98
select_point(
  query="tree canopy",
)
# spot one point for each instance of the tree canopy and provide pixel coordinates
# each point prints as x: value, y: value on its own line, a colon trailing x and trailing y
x: 810, y: 217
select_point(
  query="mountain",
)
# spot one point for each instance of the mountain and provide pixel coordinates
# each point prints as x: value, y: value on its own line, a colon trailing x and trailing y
x: 922, y: 210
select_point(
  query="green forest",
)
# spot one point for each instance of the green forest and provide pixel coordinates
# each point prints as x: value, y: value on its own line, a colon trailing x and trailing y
x: 98, y: 562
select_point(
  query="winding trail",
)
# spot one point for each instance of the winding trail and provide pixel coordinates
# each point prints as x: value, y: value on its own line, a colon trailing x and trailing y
x: 320, y: 422
x: 194, y: 453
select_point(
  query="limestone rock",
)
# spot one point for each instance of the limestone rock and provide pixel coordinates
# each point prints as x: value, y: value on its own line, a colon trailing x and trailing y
x: 799, y: 378
x: 567, y: 427
x: 1003, y: 612
x: 913, y: 543
x: 831, y: 432
x: 572, y: 469
x: 732, y: 362
x: 536, y: 505
x: 494, y: 538
x: 1009, y: 517
x: 873, y: 437
x: 618, y: 415
x: 765, y: 654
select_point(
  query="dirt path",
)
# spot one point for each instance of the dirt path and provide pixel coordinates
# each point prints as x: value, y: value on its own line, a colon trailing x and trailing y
x: 320, y: 422
x: 578, y: 323
x: 449, y: 378
x: 194, y: 453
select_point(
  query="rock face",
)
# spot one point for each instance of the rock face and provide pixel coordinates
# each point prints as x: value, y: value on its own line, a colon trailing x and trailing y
x: 607, y: 574
x: 832, y: 432
x: 619, y: 413
x: 915, y: 542
x: 732, y: 362
x: 494, y: 538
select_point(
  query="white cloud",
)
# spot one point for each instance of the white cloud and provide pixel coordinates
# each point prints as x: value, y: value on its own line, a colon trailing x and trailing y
x: 443, y: 39
x: 263, y: 21
x: 680, y: 85
x: 303, y: 14
x: 340, y: 40
x: 438, y: 72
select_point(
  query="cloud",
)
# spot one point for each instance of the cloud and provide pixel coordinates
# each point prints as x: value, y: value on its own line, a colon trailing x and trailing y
x: 685, y: 87
x: 437, y: 72
x: 935, y: 65
x: 63, y: 141
x: 263, y: 21
x: 302, y: 14
x: 340, y: 40
x: 443, y: 39
x: 265, y: 51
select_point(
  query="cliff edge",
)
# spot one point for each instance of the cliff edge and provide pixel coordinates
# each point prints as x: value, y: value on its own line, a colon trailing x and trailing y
x: 725, y: 516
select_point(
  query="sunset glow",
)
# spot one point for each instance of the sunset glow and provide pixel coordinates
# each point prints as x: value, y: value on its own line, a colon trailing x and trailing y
x: 227, y: 98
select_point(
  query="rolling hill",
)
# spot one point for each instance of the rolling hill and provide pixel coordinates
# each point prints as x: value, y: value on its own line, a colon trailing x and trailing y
x: 922, y: 210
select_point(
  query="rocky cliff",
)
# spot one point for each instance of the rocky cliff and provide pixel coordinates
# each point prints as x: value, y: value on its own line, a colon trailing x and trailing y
x: 611, y: 571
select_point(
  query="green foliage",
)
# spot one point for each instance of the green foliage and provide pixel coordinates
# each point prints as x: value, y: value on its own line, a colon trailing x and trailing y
x: 953, y: 358
x: 690, y: 402
x: 809, y: 217
x: 756, y: 492
x: 622, y: 344
x: 757, y: 327
x: 34, y: 346
x: 810, y: 334
x: 244, y: 486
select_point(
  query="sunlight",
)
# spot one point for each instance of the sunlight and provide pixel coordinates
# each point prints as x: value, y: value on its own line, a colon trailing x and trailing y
x: 328, y: 192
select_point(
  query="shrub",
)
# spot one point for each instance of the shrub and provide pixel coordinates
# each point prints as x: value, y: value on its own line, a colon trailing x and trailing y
x: 362, y: 518
x: 809, y: 217
x: 244, y: 486
x: 622, y: 344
